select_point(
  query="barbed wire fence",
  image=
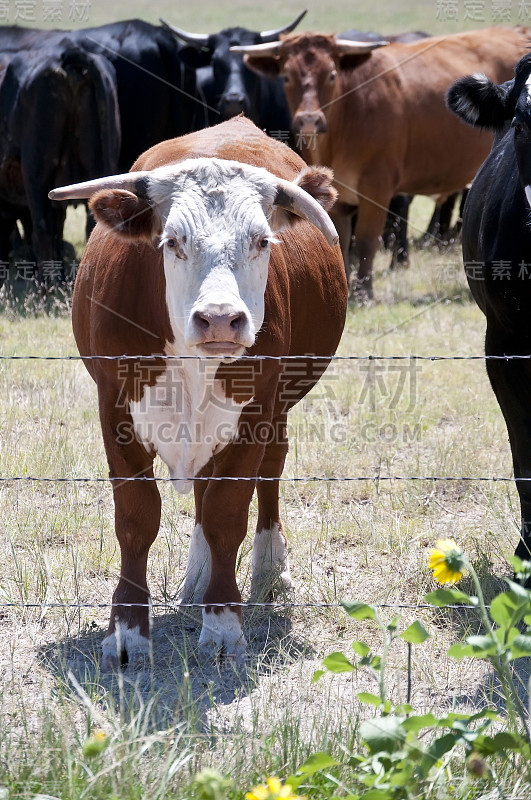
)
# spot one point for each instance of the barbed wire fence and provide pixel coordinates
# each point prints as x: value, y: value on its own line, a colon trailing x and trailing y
x: 276, y: 605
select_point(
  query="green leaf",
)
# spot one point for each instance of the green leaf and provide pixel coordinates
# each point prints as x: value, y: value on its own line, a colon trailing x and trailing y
x: 437, y: 749
x: 361, y: 648
x: 317, y: 674
x: 359, y: 610
x: 383, y: 734
x: 521, y: 646
x: 378, y: 794
x: 504, y: 740
x: 315, y: 763
x: 483, y: 645
x: 520, y: 591
x: 416, y: 723
x: 337, y: 662
x: 449, y: 597
x: 369, y: 699
x: 460, y: 651
x: 415, y: 634
x: 502, y: 609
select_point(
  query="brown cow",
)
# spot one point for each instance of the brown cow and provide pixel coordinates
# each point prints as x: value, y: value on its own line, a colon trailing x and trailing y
x: 184, y: 261
x: 375, y: 113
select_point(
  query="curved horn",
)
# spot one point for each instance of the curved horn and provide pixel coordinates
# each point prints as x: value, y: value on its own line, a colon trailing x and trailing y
x: 134, y: 182
x: 195, y: 39
x: 266, y: 49
x: 294, y: 199
x: 346, y: 47
x: 272, y: 36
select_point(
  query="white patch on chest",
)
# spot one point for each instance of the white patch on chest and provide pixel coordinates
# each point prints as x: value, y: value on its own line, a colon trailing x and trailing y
x: 528, y: 194
x: 186, y: 417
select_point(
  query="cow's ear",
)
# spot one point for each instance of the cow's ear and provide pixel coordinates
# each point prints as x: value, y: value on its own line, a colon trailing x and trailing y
x: 127, y: 215
x: 266, y: 66
x: 195, y: 57
x: 352, y: 60
x: 317, y: 181
x: 480, y: 102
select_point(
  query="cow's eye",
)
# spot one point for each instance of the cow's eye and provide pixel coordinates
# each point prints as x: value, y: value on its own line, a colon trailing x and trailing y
x: 263, y: 243
x: 284, y: 78
x: 171, y: 243
x: 332, y: 76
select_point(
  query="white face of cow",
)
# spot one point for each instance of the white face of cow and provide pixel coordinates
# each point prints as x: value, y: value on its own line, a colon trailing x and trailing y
x: 216, y: 239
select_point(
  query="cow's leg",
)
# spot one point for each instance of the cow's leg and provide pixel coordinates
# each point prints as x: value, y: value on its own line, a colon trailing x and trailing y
x: 369, y: 227
x: 198, y: 568
x: 342, y: 217
x: 270, y: 567
x: 224, y: 513
x: 398, y: 214
x: 137, y: 508
x: 511, y: 382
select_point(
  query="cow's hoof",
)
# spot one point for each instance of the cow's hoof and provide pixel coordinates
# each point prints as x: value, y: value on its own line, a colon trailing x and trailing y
x: 110, y: 662
x: 222, y: 635
x: 128, y: 641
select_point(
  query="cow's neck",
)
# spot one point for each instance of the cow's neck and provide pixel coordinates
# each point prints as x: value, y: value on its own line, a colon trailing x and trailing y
x: 185, y: 416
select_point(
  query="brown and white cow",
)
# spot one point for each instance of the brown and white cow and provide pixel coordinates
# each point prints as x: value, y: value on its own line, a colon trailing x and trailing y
x: 375, y: 113
x: 187, y: 260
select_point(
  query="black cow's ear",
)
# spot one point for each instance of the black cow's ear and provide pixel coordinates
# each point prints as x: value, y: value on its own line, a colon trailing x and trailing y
x: 127, y: 215
x: 266, y: 66
x: 480, y: 102
x: 195, y: 57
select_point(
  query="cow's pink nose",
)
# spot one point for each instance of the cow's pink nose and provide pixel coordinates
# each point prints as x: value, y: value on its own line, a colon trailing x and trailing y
x: 309, y: 122
x: 219, y: 327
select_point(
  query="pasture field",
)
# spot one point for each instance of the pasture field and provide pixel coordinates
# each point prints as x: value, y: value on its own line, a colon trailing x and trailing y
x: 365, y: 540
x: 433, y: 16
x: 362, y: 540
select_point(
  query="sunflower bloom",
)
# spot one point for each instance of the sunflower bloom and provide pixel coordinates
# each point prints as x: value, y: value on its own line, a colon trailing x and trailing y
x: 272, y: 789
x: 447, y: 561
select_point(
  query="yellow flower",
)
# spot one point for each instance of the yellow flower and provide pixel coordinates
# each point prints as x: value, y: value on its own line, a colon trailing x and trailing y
x: 272, y: 789
x: 447, y: 561
x: 95, y: 744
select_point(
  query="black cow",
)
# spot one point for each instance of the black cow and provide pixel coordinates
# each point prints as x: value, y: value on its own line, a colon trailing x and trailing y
x: 228, y: 87
x: 59, y: 122
x: 156, y: 88
x: 497, y: 254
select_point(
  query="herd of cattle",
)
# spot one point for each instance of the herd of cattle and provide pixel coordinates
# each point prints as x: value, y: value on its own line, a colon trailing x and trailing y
x: 218, y: 245
x: 75, y: 105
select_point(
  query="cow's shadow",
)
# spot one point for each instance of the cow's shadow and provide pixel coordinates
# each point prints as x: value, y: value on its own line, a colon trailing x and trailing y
x: 179, y: 685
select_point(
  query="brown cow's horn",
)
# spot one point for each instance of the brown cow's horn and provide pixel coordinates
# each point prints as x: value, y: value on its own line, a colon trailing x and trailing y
x: 272, y: 36
x: 130, y: 181
x: 266, y: 49
x: 299, y: 202
x: 346, y: 47
x: 195, y: 39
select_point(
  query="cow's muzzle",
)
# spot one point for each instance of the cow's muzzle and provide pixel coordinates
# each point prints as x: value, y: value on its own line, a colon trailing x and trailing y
x: 227, y: 333
x: 309, y: 122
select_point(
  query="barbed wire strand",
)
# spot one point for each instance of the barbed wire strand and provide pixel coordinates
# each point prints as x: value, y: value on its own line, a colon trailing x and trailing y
x: 260, y: 479
x: 273, y: 605
x: 162, y: 356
